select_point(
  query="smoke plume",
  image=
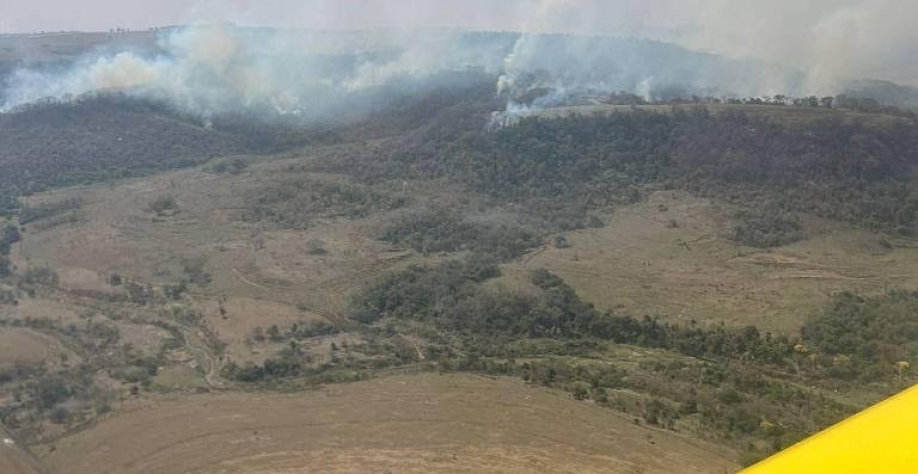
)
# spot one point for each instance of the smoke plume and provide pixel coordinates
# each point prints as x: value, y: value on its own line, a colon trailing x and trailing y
x: 208, y: 70
x: 562, y: 52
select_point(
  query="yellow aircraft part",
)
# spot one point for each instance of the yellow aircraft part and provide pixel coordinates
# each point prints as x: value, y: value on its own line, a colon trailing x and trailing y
x: 882, y: 440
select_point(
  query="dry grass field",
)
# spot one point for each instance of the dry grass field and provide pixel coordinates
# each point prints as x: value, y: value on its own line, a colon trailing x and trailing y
x: 412, y: 424
x: 638, y: 261
x: 693, y: 272
x: 115, y: 232
x: 264, y: 275
x: 24, y: 346
x: 243, y: 316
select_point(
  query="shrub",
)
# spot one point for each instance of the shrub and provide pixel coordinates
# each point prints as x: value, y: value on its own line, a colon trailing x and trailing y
x: 163, y: 205
x: 767, y: 228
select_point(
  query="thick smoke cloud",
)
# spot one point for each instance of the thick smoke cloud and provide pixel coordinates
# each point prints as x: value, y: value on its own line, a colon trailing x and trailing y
x: 832, y: 41
x: 738, y: 47
x: 571, y: 67
x: 218, y: 69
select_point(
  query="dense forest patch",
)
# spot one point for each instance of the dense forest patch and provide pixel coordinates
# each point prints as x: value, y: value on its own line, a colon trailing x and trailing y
x: 438, y: 230
x: 297, y: 202
x: 840, y: 169
x: 766, y: 228
x: 88, y: 141
x: 108, y: 136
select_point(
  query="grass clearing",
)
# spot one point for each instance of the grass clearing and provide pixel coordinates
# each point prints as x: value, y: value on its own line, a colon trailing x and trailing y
x: 117, y: 234
x: 692, y: 272
x: 25, y: 346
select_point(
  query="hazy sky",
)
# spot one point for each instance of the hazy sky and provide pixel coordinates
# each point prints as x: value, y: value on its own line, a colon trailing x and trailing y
x: 53, y: 15
x: 860, y: 37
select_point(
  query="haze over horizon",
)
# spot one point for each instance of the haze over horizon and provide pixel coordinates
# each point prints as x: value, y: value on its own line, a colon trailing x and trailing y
x: 797, y: 48
x: 831, y: 38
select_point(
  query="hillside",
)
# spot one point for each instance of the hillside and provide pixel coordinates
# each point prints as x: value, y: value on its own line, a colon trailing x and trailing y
x: 634, y: 282
x: 105, y: 137
x: 95, y: 140
x: 418, y: 423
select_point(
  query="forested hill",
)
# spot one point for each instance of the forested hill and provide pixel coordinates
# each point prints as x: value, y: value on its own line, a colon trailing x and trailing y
x: 854, y: 170
x: 106, y: 137
x: 841, y: 166
x: 55, y: 145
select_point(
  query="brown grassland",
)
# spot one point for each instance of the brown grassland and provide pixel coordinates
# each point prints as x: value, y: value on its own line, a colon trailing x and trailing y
x: 692, y: 271
x: 413, y: 423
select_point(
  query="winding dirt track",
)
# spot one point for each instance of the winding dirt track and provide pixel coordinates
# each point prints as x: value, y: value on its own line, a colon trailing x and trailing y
x: 212, y: 370
x: 404, y: 424
x: 251, y: 283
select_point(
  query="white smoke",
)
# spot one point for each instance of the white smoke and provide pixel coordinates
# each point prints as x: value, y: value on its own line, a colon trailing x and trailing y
x: 735, y: 47
x: 552, y: 70
x: 213, y: 69
x: 757, y: 48
x: 831, y: 41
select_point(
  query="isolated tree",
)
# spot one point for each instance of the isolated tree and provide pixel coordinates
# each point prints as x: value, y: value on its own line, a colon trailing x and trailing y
x: 561, y: 242
x: 163, y: 205
x: 580, y: 391
x: 175, y: 291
